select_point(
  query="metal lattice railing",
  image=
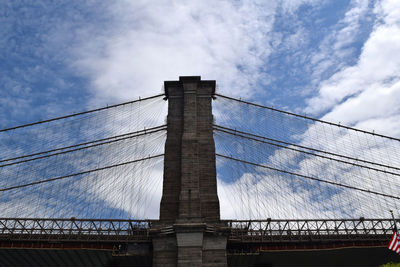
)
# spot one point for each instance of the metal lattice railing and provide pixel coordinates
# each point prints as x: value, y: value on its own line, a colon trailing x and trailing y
x: 297, y: 230
x: 240, y: 230
x: 74, y: 229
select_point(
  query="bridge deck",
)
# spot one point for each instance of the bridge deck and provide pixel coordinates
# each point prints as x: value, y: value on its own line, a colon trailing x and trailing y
x: 243, y: 231
x: 75, y: 242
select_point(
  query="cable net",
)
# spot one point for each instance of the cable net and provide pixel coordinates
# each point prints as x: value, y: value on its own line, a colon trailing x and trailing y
x: 105, y: 163
x: 108, y: 163
x: 274, y: 164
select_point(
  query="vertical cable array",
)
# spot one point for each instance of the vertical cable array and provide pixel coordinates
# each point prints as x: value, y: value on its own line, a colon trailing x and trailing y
x: 103, y: 163
x: 108, y: 163
x: 278, y: 164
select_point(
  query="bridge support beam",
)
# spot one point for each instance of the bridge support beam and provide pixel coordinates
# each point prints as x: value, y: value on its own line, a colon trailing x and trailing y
x: 190, y: 245
x: 189, y: 205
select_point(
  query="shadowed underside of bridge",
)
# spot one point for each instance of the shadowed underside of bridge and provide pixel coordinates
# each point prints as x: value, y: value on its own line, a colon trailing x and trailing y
x: 98, y: 258
x: 66, y: 242
x: 121, y: 161
x: 63, y: 242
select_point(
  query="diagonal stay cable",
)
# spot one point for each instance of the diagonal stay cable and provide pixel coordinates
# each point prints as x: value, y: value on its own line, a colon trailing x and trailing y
x: 243, y: 134
x: 307, y: 118
x: 79, y: 173
x: 108, y: 140
x: 309, y: 177
x: 80, y: 113
x: 313, y: 154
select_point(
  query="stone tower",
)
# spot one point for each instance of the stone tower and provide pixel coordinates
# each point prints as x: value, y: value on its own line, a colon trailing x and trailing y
x: 189, y: 232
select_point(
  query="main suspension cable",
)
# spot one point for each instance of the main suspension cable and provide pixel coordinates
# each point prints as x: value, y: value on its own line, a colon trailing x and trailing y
x: 90, y: 144
x: 242, y: 134
x: 233, y: 132
x: 308, y: 177
x: 80, y: 113
x: 306, y: 117
x: 79, y: 173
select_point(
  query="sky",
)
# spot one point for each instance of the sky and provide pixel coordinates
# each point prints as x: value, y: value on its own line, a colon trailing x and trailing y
x: 331, y: 59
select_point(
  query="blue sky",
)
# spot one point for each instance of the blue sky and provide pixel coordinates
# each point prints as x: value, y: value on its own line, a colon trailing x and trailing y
x: 338, y: 60
x: 323, y: 58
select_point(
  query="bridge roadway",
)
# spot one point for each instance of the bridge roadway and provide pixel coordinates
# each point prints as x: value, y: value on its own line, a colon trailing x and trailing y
x: 92, y: 242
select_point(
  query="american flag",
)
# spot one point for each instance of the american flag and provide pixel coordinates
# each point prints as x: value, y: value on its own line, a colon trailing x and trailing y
x: 395, y: 241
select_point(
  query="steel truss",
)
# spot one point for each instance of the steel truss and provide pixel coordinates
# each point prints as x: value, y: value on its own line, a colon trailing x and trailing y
x: 74, y: 230
x: 246, y: 231
x: 310, y: 230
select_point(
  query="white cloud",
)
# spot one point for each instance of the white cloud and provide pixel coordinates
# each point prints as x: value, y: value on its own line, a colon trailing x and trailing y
x: 369, y: 90
x: 152, y: 42
x: 290, y: 6
x: 388, y: 11
x: 336, y: 48
x: 346, y: 35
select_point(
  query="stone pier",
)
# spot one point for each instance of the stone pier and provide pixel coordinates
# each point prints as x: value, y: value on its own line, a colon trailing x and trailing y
x: 189, y: 232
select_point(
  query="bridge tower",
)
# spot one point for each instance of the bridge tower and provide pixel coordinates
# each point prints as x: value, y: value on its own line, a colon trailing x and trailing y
x: 189, y: 232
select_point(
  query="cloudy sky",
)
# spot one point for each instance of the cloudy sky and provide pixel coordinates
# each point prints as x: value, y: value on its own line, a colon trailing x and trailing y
x: 338, y: 60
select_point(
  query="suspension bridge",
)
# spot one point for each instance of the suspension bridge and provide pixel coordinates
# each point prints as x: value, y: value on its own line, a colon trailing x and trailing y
x: 193, y: 177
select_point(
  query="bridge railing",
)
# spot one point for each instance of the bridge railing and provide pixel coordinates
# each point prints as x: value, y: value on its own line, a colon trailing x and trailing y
x: 74, y: 229
x: 287, y: 230
x: 240, y: 230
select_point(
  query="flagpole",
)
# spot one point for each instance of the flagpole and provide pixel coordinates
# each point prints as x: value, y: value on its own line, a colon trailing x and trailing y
x: 394, y: 220
x: 394, y: 243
